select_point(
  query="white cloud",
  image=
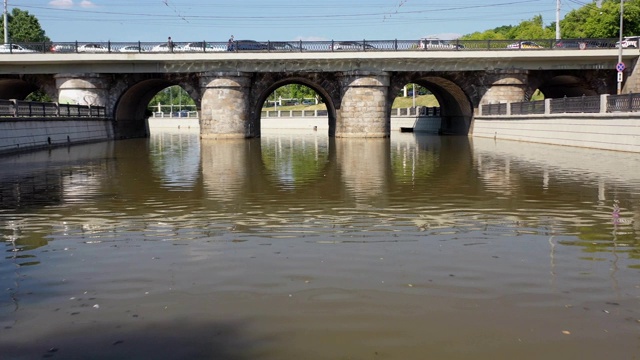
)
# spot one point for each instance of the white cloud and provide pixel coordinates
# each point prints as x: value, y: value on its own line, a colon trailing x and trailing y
x: 61, y: 3
x: 87, y: 4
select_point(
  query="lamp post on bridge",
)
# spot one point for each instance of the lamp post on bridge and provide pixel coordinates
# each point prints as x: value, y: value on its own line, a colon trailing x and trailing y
x: 620, y: 65
x: 5, y: 23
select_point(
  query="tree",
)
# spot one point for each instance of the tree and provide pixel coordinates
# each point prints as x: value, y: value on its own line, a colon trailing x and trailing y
x: 173, y: 95
x: 24, y: 27
x: 591, y: 21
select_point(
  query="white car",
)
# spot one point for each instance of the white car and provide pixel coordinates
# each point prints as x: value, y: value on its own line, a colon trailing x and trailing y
x: 164, y: 48
x: 14, y: 48
x: 524, y: 45
x: 438, y: 44
x: 351, y: 46
x: 629, y: 42
x: 93, y: 48
x: 201, y: 47
x: 131, y: 49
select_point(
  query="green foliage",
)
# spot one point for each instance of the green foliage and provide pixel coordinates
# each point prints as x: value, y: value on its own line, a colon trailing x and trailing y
x: 173, y: 95
x: 296, y: 91
x: 39, y: 96
x: 486, y: 35
x: 24, y: 27
x: 527, y: 29
x: 589, y: 21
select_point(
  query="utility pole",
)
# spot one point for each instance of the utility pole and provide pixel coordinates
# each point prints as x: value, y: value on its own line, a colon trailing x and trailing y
x: 558, y: 2
x: 5, y: 23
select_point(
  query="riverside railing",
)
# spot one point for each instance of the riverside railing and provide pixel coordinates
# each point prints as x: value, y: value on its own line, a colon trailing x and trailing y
x: 32, y: 109
x: 579, y: 104
x: 409, y: 112
x: 307, y: 46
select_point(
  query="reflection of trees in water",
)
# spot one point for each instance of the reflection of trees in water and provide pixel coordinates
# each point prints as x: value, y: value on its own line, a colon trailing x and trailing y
x: 176, y: 159
x: 295, y: 160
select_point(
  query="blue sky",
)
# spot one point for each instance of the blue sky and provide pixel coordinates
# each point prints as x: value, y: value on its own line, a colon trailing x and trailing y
x: 216, y: 20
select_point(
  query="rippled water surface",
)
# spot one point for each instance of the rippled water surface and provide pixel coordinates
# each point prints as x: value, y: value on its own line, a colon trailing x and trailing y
x: 296, y: 246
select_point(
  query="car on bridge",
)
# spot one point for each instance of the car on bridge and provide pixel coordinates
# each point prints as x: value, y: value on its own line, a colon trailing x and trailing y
x: 14, y: 48
x: 283, y: 46
x: 629, y: 42
x: 164, y: 47
x: 524, y: 45
x: 248, y: 45
x: 202, y: 46
x: 351, y: 46
x: 438, y: 44
x: 582, y: 44
x: 131, y: 49
x: 92, y: 48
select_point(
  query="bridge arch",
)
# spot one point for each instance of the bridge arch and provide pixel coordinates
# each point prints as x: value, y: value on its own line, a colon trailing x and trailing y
x: 19, y: 87
x: 325, y: 85
x: 132, y: 100
x: 456, y: 108
x: 571, y: 83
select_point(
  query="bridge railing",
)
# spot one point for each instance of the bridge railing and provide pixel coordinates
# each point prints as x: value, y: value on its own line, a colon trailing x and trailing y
x: 579, y: 104
x: 306, y: 46
x: 19, y: 108
x: 626, y: 102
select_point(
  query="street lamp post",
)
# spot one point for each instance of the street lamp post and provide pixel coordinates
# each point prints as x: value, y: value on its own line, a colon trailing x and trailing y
x: 5, y: 23
x: 619, y: 75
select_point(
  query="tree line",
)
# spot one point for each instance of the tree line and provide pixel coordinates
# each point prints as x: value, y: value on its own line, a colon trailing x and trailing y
x: 594, y: 20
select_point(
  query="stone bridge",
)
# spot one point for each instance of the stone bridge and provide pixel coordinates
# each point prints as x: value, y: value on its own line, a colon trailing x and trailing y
x: 358, y: 88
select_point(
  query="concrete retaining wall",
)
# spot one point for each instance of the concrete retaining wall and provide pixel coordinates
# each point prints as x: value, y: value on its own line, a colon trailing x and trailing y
x: 29, y: 134
x: 611, y: 131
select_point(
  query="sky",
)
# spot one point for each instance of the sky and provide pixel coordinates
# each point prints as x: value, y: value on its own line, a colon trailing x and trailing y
x: 279, y: 20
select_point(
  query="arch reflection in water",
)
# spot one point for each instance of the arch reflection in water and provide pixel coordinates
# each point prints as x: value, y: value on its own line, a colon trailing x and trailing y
x: 226, y: 166
x: 176, y: 159
x: 364, y: 166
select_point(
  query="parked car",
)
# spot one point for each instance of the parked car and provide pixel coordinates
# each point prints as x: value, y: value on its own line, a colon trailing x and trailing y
x: 202, y: 47
x: 248, y: 45
x: 351, y: 46
x: 629, y: 42
x: 93, y: 48
x: 14, y: 48
x: 131, y: 49
x: 524, y: 45
x: 438, y: 44
x: 63, y: 48
x: 164, y: 48
x: 283, y: 46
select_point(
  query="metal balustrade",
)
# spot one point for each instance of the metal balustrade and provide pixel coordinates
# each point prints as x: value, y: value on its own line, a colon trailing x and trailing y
x: 307, y: 46
x: 32, y: 109
x: 579, y: 104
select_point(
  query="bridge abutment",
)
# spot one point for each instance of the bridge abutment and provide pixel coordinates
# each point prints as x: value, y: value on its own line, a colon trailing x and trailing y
x: 363, y: 110
x: 225, y: 108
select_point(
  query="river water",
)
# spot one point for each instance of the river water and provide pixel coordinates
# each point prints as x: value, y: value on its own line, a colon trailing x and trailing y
x: 296, y: 246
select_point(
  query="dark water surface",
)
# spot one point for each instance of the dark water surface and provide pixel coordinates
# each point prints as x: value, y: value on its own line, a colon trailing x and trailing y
x: 295, y: 246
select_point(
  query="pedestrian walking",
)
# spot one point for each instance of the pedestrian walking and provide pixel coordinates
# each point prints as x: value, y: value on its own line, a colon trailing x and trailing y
x: 170, y: 44
x: 230, y: 44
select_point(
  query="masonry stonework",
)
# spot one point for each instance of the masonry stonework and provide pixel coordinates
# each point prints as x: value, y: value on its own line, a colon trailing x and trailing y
x: 505, y: 86
x: 82, y: 89
x: 363, y: 111
x: 225, y: 106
